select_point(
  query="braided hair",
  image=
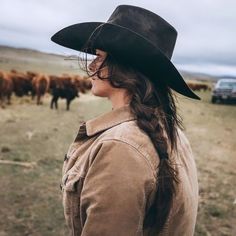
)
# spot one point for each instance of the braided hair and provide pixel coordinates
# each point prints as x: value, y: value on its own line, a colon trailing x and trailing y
x: 155, y: 110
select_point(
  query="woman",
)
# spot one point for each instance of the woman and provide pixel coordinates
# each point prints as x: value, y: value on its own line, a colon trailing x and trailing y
x: 130, y: 171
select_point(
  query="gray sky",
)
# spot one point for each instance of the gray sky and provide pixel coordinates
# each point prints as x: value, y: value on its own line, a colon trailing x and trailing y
x: 206, y: 28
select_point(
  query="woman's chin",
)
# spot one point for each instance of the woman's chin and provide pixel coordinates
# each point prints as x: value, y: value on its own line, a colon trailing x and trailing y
x: 97, y: 93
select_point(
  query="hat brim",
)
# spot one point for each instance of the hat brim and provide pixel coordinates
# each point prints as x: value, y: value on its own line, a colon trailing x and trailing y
x: 126, y: 46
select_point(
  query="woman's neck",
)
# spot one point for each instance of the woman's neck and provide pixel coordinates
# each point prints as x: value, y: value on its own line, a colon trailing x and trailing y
x: 119, y: 99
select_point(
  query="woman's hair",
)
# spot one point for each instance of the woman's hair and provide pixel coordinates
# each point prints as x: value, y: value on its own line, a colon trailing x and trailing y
x: 155, y: 110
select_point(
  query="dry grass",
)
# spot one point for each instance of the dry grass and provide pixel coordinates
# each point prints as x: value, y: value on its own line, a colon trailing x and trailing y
x: 30, y: 197
x: 212, y: 132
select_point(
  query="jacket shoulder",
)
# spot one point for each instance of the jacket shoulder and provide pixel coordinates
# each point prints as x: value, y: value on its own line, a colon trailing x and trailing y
x: 130, y: 134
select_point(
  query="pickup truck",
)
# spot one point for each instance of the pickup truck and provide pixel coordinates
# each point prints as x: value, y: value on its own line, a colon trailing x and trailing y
x: 224, y: 90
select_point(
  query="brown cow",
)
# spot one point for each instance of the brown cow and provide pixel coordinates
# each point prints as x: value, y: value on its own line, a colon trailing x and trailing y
x: 83, y: 83
x: 86, y: 83
x: 54, y: 81
x: 6, y: 88
x: 21, y: 83
x: 198, y: 86
x: 40, y: 86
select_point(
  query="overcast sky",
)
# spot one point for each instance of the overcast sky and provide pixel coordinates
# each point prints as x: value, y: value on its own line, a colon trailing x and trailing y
x: 206, y: 28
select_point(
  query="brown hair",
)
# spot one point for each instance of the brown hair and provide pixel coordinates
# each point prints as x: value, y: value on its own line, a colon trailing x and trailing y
x: 155, y: 110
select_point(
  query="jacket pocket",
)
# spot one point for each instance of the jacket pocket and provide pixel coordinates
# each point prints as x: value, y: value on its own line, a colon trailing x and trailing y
x: 71, y: 182
x: 71, y: 179
x: 71, y: 189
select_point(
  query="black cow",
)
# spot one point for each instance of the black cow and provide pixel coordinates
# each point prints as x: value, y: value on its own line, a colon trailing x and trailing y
x: 63, y: 87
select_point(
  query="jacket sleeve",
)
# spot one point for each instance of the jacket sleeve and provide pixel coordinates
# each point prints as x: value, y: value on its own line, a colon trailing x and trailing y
x: 115, y: 191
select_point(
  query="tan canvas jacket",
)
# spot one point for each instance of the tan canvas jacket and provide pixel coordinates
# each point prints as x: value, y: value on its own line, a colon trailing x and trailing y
x: 109, y: 180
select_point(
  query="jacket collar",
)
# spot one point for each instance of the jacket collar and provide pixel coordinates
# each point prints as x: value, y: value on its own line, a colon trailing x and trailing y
x: 104, y: 122
x: 108, y: 120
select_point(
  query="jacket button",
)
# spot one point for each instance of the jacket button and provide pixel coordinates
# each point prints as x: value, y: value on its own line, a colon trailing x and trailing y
x: 65, y: 158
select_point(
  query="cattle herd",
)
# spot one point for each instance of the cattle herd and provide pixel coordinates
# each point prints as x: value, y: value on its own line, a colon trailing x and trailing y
x: 198, y: 86
x: 37, y: 85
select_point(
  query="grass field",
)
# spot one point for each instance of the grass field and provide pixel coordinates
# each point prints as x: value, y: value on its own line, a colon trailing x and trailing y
x: 30, y: 196
x: 30, y: 60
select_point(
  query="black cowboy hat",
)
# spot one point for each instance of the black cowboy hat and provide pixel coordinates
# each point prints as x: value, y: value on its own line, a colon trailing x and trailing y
x: 135, y: 36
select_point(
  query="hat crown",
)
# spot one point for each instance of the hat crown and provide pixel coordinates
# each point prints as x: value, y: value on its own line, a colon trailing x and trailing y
x: 135, y: 36
x: 147, y: 24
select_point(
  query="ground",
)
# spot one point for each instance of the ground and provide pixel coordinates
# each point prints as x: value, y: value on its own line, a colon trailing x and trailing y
x: 31, y: 198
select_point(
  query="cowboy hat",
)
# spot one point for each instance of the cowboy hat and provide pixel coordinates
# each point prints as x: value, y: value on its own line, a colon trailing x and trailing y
x: 135, y: 36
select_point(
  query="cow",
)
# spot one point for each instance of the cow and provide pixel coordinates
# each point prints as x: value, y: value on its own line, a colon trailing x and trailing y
x: 83, y: 83
x: 63, y: 87
x: 6, y: 88
x: 40, y: 86
x: 198, y: 86
x: 21, y: 83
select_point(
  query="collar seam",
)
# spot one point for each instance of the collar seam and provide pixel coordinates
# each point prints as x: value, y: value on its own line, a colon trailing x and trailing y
x: 108, y: 126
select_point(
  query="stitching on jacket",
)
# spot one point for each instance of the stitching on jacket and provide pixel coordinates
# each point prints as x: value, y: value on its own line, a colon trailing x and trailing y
x: 141, y: 216
x: 103, y: 128
x: 134, y: 147
x: 150, y: 188
x: 145, y: 199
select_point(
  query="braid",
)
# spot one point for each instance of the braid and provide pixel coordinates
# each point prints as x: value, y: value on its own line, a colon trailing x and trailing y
x: 166, y: 176
x: 155, y: 110
x: 156, y: 116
